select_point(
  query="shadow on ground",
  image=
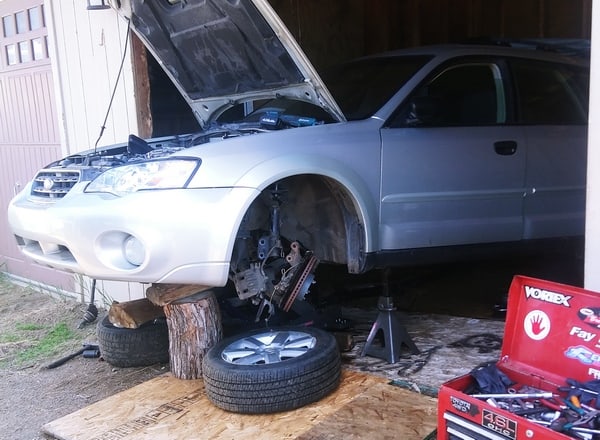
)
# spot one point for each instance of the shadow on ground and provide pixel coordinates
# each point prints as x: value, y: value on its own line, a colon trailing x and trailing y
x: 475, y: 289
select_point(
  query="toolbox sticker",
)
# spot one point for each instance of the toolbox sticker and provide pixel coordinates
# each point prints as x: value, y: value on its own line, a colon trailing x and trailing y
x: 582, y: 334
x: 590, y: 315
x: 593, y: 372
x: 547, y: 296
x: 499, y: 423
x: 463, y: 406
x: 537, y: 325
x: 583, y: 355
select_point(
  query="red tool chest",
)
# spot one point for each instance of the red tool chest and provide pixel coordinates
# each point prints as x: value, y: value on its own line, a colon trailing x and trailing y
x: 552, y: 333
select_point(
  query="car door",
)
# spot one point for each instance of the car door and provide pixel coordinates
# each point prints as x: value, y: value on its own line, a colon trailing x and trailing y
x: 453, y: 171
x: 552, y: 102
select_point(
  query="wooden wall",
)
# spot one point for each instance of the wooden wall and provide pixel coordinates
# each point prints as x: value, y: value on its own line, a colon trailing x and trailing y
x: 87, y: 50
x: 340, y: 29
x: 29, y: 132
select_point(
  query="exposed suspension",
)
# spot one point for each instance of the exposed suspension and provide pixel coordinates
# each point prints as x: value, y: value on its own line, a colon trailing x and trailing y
x: 272, y: 273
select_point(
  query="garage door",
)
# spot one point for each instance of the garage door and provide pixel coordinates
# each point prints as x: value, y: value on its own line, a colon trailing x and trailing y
x: 29, y: 136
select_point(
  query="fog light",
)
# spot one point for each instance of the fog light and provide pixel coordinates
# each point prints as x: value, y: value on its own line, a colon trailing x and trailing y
x: 134, y: 251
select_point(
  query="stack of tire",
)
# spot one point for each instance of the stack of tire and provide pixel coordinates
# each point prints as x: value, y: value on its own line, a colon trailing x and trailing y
x: 257, y: 372
x: 125, y: 347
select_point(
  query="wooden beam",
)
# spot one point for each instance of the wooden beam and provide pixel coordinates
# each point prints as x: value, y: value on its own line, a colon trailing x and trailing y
x: 162, y: 294
x: 141, y: 79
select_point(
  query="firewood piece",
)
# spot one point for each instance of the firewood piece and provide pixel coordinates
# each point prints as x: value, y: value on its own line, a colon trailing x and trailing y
x: 132, y: 314
x: 161, y: 294
x: 194, y: 327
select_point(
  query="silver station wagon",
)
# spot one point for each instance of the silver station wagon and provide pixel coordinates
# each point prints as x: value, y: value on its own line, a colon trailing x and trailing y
x: 423, y: 154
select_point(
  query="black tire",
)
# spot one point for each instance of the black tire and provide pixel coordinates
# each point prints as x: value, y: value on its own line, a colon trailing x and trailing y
x: 275, y: 378
x: 124, y: 347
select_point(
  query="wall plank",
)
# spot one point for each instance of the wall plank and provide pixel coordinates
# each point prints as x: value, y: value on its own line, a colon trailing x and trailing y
x: 340, y: 29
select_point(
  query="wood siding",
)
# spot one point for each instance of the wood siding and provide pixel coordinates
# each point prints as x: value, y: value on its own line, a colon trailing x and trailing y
x: 29, y: 135
x: 340, y: 29
x: 87, y: 52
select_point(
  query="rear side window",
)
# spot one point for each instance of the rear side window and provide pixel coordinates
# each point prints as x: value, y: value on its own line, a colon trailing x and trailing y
x: 550, y: 94
x: 469, y: 94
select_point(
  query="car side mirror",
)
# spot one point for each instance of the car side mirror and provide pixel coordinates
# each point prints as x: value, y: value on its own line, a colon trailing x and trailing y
x: 424, y: 111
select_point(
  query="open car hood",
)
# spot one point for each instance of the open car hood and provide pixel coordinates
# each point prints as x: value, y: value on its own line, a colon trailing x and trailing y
x: 220, y: 53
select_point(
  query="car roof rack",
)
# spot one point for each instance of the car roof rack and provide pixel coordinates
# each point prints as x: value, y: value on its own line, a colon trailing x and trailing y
x: 566, y: 46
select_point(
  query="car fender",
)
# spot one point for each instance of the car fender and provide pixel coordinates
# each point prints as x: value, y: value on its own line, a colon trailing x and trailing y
x: 278, y: 168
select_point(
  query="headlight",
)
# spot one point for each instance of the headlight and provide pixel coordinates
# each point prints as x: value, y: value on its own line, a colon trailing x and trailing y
x: 158, y: 174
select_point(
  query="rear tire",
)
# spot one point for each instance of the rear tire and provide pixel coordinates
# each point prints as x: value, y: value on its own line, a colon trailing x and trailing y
x: 124, y: 347
x: 266, y: 371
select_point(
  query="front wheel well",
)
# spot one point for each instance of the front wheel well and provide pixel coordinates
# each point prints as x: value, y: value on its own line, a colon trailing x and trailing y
x: 318, y: 212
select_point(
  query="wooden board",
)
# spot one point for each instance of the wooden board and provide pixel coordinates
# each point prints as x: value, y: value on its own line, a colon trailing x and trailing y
x: 364, y: 406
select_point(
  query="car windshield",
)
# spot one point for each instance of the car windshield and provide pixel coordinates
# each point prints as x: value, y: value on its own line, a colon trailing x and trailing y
x: 362, y: 87
x: 359, y: 87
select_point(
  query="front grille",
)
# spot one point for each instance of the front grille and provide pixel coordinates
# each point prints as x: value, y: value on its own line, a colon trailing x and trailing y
x: 54, y: 184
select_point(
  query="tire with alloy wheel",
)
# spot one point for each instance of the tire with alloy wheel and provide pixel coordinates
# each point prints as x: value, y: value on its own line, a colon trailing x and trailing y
x: 266, y: 371
x: 125, y: 347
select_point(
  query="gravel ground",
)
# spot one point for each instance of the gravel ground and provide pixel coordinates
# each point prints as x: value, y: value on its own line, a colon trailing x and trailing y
x: 33, y: 395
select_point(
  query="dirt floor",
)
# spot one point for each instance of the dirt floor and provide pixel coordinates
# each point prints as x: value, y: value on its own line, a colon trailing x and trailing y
x: 455, y: 331
x: 33, y: 395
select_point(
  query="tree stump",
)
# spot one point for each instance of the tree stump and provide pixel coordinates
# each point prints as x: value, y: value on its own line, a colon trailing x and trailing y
x: 194, y: 327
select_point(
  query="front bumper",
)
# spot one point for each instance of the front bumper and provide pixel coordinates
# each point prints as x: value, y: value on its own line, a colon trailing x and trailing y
x: 187, y: 235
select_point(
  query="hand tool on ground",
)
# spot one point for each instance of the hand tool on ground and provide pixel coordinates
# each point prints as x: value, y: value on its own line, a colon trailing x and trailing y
x: 88, y: 350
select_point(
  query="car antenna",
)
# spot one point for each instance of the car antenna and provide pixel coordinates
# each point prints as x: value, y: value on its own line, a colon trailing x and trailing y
x: 103, y: 127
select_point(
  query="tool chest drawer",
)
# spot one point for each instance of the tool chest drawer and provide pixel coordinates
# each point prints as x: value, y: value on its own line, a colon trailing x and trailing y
x: 545, y: 384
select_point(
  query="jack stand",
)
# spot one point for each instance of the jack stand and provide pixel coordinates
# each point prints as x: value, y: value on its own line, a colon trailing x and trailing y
x: 394, y: 333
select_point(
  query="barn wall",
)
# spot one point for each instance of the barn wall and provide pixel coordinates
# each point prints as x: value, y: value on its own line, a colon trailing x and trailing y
x: 592, y: 233
x: 29, y: 135
x: 340, y: 29
x: 87, y: 49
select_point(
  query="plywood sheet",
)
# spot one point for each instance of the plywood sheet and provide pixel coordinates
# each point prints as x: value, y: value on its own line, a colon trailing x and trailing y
x: 364, y: 406
x: 381, y: 412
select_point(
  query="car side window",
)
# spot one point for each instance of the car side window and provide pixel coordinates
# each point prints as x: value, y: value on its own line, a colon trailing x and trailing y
x: 462, y: 95
x: 549, y: 93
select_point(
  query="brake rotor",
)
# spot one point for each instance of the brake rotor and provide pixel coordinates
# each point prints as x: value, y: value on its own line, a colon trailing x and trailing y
x: 302, y: 279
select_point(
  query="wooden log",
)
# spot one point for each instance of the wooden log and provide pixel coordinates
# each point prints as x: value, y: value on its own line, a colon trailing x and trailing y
x: 194, y: 327
x: 132, y: 314
x: 162, y: 294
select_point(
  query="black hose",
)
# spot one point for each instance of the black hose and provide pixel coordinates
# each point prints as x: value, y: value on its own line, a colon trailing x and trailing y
x: 103, y: 127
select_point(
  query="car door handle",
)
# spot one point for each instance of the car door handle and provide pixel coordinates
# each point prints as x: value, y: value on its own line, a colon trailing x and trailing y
x: 505, y: 148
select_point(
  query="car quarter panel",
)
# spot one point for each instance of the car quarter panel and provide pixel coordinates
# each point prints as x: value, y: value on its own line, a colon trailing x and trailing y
x: 554, y: 205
